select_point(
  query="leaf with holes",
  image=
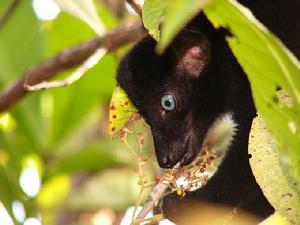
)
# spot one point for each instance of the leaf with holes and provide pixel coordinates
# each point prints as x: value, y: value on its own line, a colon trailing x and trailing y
x: 269, y: 65
x: 270, y: 173
x: 120, y: 110
x: 178, y: 14
x: 152, y: 13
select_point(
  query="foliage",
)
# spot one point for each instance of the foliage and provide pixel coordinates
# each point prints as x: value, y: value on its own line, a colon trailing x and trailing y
x: 280, y: 190
x: 120, y: 110
x: 61, y: 131
x: 84, y: 10
x: 62, y: 134
x: 152, y: 12
x: 269, y: 65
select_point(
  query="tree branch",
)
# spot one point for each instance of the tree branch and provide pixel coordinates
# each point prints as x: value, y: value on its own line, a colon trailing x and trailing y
x: 136, y: 5
x: 68, y: 59
x: 11, y: 8
x: 156, y: 194
x: 75, y: 76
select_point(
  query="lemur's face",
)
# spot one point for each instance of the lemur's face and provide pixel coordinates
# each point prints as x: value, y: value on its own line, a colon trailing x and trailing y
x: 176, y: 94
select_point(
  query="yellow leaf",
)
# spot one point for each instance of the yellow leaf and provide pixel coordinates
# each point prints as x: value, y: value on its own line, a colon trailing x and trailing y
x: 120, y: 110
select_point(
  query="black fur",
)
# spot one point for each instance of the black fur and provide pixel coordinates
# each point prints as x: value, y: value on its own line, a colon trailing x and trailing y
x: 204, y: 89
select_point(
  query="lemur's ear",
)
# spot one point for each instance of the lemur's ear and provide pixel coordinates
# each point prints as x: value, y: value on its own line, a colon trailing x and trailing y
x: 192, y: 51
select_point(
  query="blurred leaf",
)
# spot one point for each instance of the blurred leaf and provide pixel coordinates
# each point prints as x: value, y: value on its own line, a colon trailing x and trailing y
x: 7, y: 122
x: 112, y: 188
x: 269, y: 65
x: 54, y: 192
x: 152, y: 13
x: 9, y: 190
x: 108, y: 17
x: 21, y: 42
x: 21, y: 45
x: 61, y: 33
x: 120, y: 110
x: 27, y: 116
x: 72, y: 104
x: 34, y: 161
x: 19, y: 49
x: 178, y: 14
x: 271, y: 175
x: 96, y: 156
x: 84, y: 10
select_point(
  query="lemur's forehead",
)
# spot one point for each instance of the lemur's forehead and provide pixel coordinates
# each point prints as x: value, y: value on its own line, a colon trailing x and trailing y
x: 149, y: 59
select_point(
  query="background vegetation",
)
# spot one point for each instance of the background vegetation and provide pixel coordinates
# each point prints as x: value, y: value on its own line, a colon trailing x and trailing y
x: 57, y: 162
x: 56, y: 158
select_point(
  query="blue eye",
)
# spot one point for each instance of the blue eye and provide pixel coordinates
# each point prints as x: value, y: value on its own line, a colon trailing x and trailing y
x: 168, y: 102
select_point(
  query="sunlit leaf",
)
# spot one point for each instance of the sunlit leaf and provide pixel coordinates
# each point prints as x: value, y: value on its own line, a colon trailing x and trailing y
x: 271, y: 175
x: 84, y: 10
x: 14, y: 57
x: 91, y: 157
x: 7, y: 122
x: 120, y: 110
x: 71, y: 105
x: 152, y: 13
x: 275, y: 219
x: 269, y: 65
x: 54, y: 191
x: 115, y: 188
x: 21, y: 45
x: 178, y: 14
x: 14, y: 60
x: 9, y: 190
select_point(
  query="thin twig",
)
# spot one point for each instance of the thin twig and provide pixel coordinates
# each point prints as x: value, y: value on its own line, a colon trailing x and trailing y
x: 136, y: 5
x: 68, y: 59
x: 7, y: 14
x: 89, y: 63
x: 153, y: 220
x: 155, y: 195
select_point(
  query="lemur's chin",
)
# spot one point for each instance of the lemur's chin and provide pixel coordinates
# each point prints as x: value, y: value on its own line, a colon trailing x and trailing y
x: 187, y: 158
x: 218, y: 139
x: 204, y: 161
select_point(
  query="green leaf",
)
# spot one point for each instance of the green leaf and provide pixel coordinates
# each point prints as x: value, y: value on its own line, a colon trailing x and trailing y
x: 71, y: 105
x: 9, y: 190
x: 152, y: 14
x: 271, y: 175
x: 21, y: 48
x: 84, y: 10
x: 115, y: 188
x: 92, y: 157
x: 178, y: 14
x: 61, y: 34
x: 54, y: 191
x: 268, y: 64
x: 75, y: 103
x: 17, y: 43
x: 120, y: 110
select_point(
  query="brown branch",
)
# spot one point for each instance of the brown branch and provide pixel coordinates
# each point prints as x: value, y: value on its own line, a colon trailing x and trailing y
x: 11, y: 8
x: 75, y: 76
x: 156, y: 195
x: 136, y: 5
x: 68, y: 59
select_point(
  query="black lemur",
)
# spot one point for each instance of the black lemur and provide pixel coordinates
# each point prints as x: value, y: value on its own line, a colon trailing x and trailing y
x: 196, y: 82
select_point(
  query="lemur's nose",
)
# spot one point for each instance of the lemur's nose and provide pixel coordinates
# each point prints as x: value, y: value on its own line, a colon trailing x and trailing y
x: 166, y: 161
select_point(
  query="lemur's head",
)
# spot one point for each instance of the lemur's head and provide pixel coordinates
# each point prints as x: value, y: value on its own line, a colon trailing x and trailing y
x: 185, y: 94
